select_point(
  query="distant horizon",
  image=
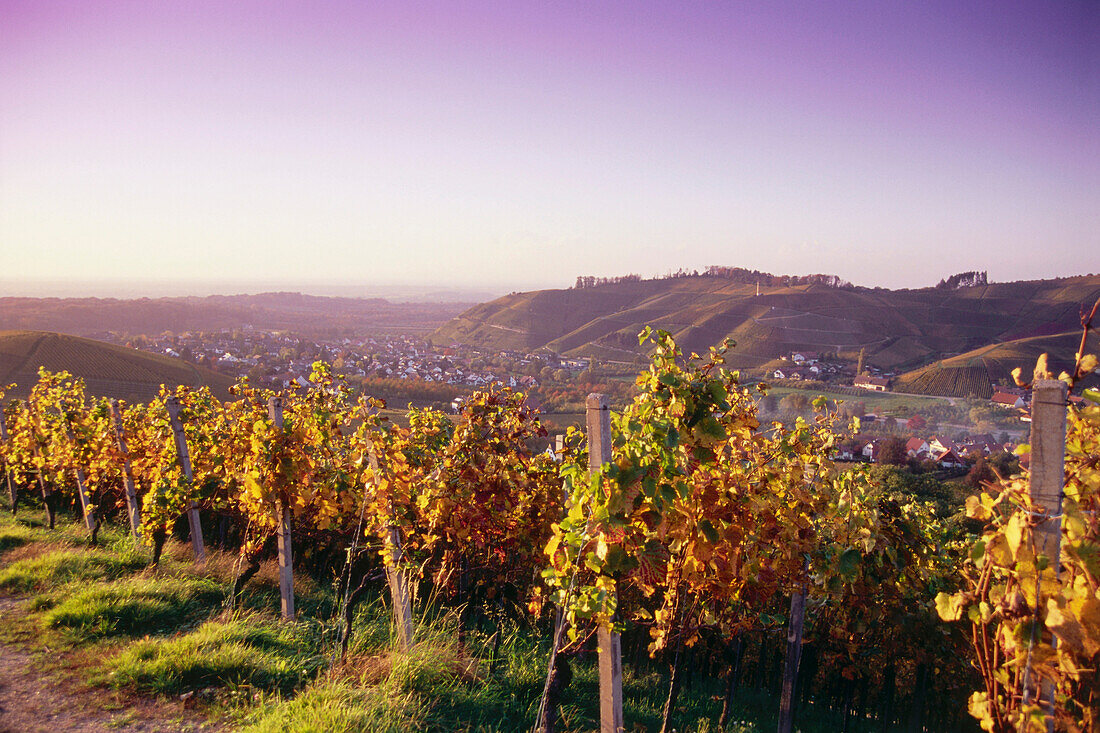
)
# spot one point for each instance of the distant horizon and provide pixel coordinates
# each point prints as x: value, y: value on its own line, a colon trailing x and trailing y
x: 395, y: 292
x: 162, y: 288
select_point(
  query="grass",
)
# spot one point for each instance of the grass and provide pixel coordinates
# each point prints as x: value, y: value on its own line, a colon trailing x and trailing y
x: 230, y: 653
x: 341, y: 705
x: 135, y: 606
x: 14, y: 536
x: 62, y: 566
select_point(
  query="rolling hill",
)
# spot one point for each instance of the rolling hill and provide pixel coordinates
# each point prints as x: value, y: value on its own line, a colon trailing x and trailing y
x: 899, y: 329
x: 108, y: 370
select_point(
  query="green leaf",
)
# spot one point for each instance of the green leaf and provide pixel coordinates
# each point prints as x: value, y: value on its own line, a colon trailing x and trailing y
x: 618, y: 561
x: 847, y: 564
x: 709, y: 429
x: 708, y: 531
x: 1092, y: 395
x: 668, y: 494
x: 669, y: 380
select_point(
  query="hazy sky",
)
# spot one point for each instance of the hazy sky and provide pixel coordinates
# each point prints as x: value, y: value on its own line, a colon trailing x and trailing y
x: 513, y: 145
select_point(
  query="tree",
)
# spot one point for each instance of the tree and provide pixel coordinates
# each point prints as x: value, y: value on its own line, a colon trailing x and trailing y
x: 891, y: 452
x: 794, y: 403
x: 980, y: 473
x: 256, y: 374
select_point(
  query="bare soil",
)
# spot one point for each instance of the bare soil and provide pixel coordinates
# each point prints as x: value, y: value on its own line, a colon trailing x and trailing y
x: 42, y: 690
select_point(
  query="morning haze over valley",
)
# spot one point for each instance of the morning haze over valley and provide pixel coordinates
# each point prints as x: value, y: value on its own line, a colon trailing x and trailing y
x: 549, y: 367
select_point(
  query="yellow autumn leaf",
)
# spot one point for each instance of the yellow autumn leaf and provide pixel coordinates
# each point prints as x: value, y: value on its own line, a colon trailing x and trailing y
x: 949, y: 607
x: 1014, y: 533
x: 976, y: 510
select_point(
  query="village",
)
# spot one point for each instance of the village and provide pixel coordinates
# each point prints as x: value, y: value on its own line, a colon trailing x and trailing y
x: 279, y: 360
x: 441, y: 376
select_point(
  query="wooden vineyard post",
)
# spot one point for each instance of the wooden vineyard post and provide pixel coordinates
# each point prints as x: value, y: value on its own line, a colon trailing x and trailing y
x: 794, y: 656
x: 1047, y: 472
x: 598, y: 419
x: 173, y: 405
x: 132, y: 507
x: 12, y: 491
x: 283, y: 532
x: 398, y: 581
x: 85, y: 502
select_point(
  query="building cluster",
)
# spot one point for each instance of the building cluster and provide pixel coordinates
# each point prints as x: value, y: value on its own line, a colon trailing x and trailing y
x: 943, y: 451
x: 811, y: 366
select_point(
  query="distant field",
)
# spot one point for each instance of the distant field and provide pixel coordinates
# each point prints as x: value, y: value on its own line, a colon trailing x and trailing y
x: 560, y: 421
x: 876, y: 402
x: 108, y: 370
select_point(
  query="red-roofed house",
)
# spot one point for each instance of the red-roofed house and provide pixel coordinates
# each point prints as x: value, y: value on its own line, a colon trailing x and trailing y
x: 950, y: 459
x: 916, y: 446
x: 939, y: 446
x: 1004, y: 399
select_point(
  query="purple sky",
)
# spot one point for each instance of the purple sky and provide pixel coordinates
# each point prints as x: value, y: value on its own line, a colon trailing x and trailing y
x: 514, y: 145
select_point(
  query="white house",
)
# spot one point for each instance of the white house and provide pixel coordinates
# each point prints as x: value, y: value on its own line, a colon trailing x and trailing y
x: 875, y: 384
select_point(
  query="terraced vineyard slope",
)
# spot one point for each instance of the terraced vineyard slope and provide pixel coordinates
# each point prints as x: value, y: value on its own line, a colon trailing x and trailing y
x: 109, y: 370
x: 975, y: 373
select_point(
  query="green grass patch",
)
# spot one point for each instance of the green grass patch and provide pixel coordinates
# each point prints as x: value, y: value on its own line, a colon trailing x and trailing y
x: 59, y: 567
x: 341, y: 706
x: 15, y: 536
x: 137, y: 606
x: 232, y: 653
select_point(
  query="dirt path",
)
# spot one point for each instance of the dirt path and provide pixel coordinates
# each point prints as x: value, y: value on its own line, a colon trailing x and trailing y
x: 33, y: 701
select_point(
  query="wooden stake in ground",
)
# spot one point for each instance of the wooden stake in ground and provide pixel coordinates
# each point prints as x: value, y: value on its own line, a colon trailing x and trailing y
x: 12, y: 492
x: 173, y: 405
x: 85, y: 502
x: 133, y: 509
x: 794, y: 656
x: 397, y: 579
x: 1047, y: 471
x: 282, y: 509
x: 598, y: 418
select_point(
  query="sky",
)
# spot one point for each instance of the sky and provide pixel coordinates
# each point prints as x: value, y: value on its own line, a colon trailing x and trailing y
x: 213, y: 146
